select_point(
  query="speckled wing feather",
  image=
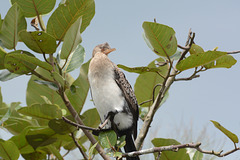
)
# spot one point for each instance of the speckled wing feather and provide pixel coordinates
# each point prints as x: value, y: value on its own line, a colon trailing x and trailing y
x: 129, y: 95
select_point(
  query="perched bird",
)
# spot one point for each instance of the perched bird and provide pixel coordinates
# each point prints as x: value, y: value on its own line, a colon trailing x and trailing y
x: 113, y: 96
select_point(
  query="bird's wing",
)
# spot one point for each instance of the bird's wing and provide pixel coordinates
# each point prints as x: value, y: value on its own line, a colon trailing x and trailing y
x: 129, y: 95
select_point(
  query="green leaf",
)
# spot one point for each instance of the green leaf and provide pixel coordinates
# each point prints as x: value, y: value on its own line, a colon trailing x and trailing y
x: 199, y: 59
x: 39, y: 41
x: 75, y: 59
x: 17, y: 62
x: 41, y: 137
x: 107, y: 139
x: 226, y: 61
x: 228, y: 133
x: 35, y: 91
x: 13, y: 23
x: 72, y: 39
x: 60, y: 126
x: 139, y: 70
x: 21, y: 142
x: 121, y: 142
x: 170, y: 155
x: 78, y: 98
x: 146, y: 82
x: 9, y: 150
x: 55, y: 152
x: 161, y: 37
x: 198, y: 156
x: 2, y: 56
x: 28, y: 58
x: 58, y: 78
x: 90, y: 152
x: 34, y: 155
x: 16, y: 122
x: 66, y: 14
x: 196, y: 49
x: 33, y: 7
x: 94, y: 121
x: 44, y: 111
x: 5, y: 75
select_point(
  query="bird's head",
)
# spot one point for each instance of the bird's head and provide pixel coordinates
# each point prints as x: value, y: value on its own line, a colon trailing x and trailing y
x: 103, y: 48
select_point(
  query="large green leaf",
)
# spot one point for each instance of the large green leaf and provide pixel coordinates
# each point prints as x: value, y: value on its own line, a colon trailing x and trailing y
x: 21, y: 142
x: 161, y: 37
x: 13, y: 23
x: 35, y: 91
x: 75, y: 59
x: 17, y: 62
x: 66, y: 14
x: 94, y: 121
x: 199, y: 59
x: 9, y: 151
x: 28, y: 59
x: 170, y: 155
x: 39, y: 41
x: 60, y: 126
x: 195, y: 49
x: 16, y: 122
x: 228, y: 133
x: 108, y: 139
x: 34, y: 155
x: 2, y: 56
x: 78, y: 98
x: 45, y: 136
x: 226, y: 61
x: 41, y: 137
x: 71, y: 39
x: 44, y: 111
x: 33, y: 7
x: 139, y: 70
x: 146, y: 82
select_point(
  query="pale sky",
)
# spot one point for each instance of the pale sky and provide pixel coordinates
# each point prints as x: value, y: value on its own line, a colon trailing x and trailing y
x: 213, y: 96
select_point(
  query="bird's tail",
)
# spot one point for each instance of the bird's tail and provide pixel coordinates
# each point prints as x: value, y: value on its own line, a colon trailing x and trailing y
x: 130, y: 147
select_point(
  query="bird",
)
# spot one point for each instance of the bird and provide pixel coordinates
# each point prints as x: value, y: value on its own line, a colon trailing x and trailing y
x: 113, y: 96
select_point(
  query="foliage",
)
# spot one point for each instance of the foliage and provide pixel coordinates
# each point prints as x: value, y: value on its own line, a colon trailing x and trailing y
x: 37, y: 128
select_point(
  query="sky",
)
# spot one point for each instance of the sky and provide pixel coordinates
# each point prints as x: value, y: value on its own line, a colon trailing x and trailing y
x: 191, y: 104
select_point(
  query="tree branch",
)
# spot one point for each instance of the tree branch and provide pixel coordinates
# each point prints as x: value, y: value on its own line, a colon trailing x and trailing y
x: 79, y: 147
x: 233, y: 52
x: 79, y: 121
x: 175, y: 148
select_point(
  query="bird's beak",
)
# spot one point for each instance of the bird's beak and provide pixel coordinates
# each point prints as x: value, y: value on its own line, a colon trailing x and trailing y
x: 109, y: 51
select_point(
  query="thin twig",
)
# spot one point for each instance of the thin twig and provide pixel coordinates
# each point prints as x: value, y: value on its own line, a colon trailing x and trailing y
x: 39, y: 18
x: 104, y: 123
x: 145, y: 102
x: 154, y: 91
x: 179, y: 46
x: 78, y: 125
x: 79, y: 147
x: 44, y: 56
x: 233, y: 52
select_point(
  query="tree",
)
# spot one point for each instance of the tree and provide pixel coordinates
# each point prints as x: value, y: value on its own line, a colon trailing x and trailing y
x: 55, y: 99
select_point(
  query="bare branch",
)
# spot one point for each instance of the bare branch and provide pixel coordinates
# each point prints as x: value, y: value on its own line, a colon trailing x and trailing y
x: 233, y: 52
x: 79, y: 121
x: 79, y: 147
x: 175, y: 148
